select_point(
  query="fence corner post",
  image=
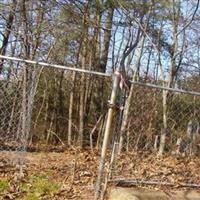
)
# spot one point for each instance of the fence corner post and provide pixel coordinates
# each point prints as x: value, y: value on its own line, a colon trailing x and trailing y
x: 107, y: 133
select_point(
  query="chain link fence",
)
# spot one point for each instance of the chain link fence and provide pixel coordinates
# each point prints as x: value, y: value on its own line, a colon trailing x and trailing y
x: 36, y: 107
x: 139, y: 163
x: 10, y: 113
x: 45, y: 99
x: 145, y: 123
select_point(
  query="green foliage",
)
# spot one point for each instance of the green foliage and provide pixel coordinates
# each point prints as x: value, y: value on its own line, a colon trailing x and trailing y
x: 43, y: 185
x: 3, y: 184
x: 37, y: 186
x: 31, y: 196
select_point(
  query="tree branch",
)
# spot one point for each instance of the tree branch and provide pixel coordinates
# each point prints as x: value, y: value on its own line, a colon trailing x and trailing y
x: 189, y: 22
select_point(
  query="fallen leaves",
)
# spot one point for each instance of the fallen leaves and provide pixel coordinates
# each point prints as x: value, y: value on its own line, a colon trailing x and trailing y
x: 74, y: 172
x: 150, y: 167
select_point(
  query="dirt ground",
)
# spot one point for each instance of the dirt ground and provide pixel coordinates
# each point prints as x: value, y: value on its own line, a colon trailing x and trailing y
x: 71, y: 174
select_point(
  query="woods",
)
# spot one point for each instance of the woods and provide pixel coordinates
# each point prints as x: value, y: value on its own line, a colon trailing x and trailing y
x: 147, y: 41
x: 117, y: 76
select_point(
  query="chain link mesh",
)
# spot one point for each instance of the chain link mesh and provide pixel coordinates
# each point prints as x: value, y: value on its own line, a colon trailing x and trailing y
x: 138, y: 159
x: 35, y: 112
x: 145, y: 122
x: 10, y: 114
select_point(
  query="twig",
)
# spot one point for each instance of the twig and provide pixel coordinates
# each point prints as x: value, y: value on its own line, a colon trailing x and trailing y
x: 134, y: 182
x: 193, y: 15
x: 93, y: 130
x: 57, y: 137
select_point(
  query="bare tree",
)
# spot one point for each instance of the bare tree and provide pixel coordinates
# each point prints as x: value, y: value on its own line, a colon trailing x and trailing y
x: 7, y: 31
x: 176, y: 57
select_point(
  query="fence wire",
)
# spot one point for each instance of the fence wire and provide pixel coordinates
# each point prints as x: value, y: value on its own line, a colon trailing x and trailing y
x: 34, y: 106
x: 10, y: 114
x: 35, y: 113
x: 138, y: 163
x: 145, y: 122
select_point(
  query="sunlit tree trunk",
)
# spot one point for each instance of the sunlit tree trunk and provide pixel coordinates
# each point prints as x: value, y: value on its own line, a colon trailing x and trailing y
x: 71, y: 103
x: 83, y: 59
x: 174, y: 67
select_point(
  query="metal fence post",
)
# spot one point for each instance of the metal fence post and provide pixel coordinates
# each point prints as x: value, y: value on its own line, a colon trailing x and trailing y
x: 107, y: 133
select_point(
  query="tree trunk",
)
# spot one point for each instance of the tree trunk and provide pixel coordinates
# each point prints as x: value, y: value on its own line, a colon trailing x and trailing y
x: 71, y: 103
x: 129, y: 99
x: 106, y: 40
x: 82, y: 104
x: 172, y: 74
x: 8, y: 29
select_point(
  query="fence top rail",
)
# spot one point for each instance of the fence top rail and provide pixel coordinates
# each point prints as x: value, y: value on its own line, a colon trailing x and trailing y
x: 98, y: 74
x: 166, y: 88
x: 55, y: 66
